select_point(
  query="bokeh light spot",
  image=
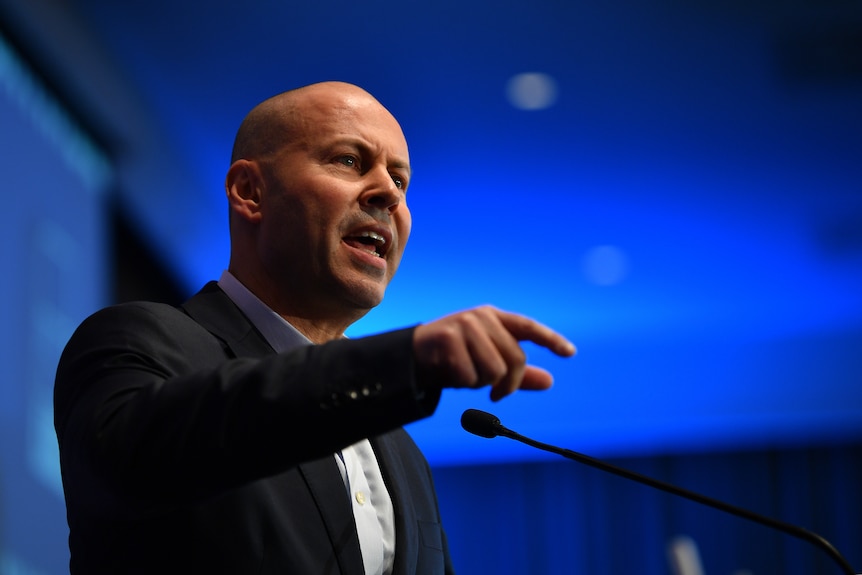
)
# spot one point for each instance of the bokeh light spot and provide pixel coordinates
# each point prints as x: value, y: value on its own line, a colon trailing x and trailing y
x: 531, y: 91
x: 605, y: 265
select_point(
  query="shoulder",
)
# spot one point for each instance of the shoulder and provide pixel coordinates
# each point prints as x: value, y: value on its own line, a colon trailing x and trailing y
x: 146, y: 319
x: 138, y: 333
x: 136, y: 319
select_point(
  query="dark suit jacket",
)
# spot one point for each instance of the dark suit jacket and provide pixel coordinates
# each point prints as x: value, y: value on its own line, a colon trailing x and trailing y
x: 188, y: 446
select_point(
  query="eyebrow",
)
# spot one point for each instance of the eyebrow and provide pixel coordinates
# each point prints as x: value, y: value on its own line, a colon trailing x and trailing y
x: 365, y: 146
x: 403, y: 166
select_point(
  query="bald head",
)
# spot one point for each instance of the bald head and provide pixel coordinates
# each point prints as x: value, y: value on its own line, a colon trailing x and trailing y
x: 275, y: 120
x: 315, y: 172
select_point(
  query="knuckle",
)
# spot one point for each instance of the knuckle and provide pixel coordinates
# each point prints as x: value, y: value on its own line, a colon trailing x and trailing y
x: 470, y: 318
x: 487, y: 309
x: 461, y: 377
x: 519, y: 356
x: 448, y: 335
x: 442, y: 338
x: 494, y: 374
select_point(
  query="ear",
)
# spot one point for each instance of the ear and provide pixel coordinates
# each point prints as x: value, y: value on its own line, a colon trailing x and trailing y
x: 244, y: 184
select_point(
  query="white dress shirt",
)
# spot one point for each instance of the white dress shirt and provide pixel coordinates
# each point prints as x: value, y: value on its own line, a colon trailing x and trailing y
x: 372, y: 505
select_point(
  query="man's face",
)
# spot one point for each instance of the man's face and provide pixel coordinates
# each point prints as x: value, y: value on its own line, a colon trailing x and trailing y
x: 334, y: 218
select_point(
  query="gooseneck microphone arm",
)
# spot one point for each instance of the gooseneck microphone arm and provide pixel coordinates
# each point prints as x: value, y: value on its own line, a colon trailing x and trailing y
x: 486, y: 425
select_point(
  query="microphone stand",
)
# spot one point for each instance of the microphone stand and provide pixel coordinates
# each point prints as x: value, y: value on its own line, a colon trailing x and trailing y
x: 492, y: 427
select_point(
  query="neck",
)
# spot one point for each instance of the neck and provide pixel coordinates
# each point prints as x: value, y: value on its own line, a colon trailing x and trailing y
x: 312, y: 317
x: 315, y: 330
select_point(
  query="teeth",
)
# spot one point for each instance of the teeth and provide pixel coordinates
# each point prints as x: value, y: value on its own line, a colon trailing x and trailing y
x: 374, y: 236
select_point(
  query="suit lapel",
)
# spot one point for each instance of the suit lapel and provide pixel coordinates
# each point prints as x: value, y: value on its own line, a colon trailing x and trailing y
x: 215, y: 311
x: 406, y: 540
x: 327, y: 488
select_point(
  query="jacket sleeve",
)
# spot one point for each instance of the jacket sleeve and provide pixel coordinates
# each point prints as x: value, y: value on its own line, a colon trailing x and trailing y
x: 146, y: 400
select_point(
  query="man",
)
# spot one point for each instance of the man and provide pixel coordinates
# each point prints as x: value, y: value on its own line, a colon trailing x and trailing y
x: 214, y: 438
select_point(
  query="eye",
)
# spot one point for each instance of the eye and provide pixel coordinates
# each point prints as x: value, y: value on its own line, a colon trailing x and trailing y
x: 348, y: 160
x: 399, y: 181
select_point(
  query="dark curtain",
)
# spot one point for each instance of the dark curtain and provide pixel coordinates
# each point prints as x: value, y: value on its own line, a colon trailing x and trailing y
x: 562, y: 517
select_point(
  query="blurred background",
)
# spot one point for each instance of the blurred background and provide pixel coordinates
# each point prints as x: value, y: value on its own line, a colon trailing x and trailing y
x: 676, y: 186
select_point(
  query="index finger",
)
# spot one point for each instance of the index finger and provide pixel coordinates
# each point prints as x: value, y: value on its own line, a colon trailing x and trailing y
x: 523, y: 328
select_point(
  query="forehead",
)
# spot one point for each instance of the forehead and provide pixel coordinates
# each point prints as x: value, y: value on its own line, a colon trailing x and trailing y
x: 327, y: 118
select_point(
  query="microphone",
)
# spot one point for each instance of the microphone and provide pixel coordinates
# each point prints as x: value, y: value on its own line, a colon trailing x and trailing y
x: 481, y: 423
x: 486, y: 425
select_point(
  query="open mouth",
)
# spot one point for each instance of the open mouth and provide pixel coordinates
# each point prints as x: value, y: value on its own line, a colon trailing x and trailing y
x: 370, y: 241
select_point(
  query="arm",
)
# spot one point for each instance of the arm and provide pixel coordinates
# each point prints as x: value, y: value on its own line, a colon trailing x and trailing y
x: 148, y: 401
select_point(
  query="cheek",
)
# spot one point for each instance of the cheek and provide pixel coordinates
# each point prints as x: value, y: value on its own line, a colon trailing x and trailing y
x: 290, y: 227
x: 404, y: 224
x: 298, y: 217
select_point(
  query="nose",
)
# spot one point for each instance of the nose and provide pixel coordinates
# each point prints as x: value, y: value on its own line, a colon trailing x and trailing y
x: 382, y: 193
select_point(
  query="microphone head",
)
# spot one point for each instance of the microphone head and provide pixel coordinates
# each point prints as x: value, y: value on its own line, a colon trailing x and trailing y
x: 481, y: 423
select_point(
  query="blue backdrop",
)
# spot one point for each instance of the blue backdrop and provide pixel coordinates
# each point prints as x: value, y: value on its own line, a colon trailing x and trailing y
x: 684, y: 204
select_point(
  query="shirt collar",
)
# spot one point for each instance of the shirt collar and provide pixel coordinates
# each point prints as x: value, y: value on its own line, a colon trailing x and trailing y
x: 275, y: 329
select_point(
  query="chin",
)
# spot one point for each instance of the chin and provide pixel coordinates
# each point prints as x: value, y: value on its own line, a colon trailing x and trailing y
x: 364, y: 295
x: 368, y: 301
